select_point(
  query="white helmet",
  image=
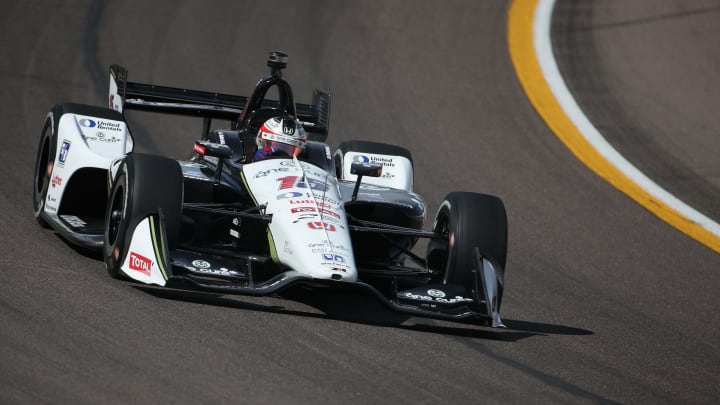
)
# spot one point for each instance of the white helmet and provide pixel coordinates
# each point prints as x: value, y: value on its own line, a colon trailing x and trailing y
x: 282, y: 134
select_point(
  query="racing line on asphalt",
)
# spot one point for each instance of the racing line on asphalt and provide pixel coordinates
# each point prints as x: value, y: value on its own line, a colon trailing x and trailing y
x: 532, y: 56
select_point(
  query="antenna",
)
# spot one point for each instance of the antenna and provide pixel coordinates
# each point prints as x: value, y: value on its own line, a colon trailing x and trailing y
x: 277, y: 61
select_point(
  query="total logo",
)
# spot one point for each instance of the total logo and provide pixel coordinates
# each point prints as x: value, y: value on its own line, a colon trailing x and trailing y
x: 140, y: 263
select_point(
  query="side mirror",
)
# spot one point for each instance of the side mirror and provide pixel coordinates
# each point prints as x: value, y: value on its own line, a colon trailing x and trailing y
x: 205, y: 148
x: 220, y: 151
x: 363, y: 169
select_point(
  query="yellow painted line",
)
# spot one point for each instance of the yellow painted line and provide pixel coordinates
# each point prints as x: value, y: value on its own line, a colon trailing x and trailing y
x: 527, y: 66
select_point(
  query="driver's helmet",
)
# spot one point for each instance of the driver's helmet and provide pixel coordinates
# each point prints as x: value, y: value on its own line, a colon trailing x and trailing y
x: 282, y: 134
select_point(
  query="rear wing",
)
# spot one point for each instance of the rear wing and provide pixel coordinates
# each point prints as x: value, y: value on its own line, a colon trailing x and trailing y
x: 125, y: 95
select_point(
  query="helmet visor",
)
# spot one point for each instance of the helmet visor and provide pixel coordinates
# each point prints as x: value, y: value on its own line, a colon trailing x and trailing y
x: 291, y: 150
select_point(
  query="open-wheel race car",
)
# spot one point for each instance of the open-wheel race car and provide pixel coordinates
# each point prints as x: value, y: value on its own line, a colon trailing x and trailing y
x: 222, y: 222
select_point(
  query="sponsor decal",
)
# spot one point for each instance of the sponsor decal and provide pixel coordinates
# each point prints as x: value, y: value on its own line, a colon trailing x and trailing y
x: 361, y: 159
x: 324, y: 208
x: 51, y: 203
x: 326, y: 199
x: 305, y: 201
x: 140, y: 263
x: 302, y: 209
x: 321, y: 225
x: 102, y: 137
x: 293, y: 181
x: 325, y: 243
x: 289, y: 194
x: 378, y: 160
x: 87, y: 123
x: 330, y: 213
x: 73, y: 221
x: 64, y: 149
x: 265, y: 173
x: 221, y: 137
x: 109, y: 125
x: 329, y: 257
x: 304, y: 216
x: 56, y: 181
x: 442, y: 300
x: 106, y: 125
x: 222, y: 271
x: 288, y: 249
x: 340, y: 269
x: 436, y: 293
x: 201, y: 264
x: 287, y: 182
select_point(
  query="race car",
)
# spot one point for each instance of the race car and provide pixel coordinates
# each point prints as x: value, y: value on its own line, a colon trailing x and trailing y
x: 223, y: 223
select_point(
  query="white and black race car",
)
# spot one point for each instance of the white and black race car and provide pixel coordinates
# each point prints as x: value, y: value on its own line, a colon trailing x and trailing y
x: 220, y: 222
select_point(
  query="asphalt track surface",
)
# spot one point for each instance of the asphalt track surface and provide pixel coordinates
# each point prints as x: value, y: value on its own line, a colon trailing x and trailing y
x: 604, y: 302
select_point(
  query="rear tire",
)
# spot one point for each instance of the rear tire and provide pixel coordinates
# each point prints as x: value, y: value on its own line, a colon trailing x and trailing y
x: 144, y: 185
x: 468, y: 220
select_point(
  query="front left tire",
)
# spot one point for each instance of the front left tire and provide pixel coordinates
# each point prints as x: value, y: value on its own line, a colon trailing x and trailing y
x: 43, y: 169
x: 144, y: 185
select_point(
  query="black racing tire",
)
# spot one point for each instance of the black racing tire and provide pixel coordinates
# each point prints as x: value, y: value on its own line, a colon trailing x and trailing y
x: 144, y: 185
x: 468, y: 220
x: 368, y: 147
x: 43, y: 168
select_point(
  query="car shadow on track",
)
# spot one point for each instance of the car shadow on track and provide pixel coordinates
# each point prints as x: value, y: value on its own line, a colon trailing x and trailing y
x: 363, y: 309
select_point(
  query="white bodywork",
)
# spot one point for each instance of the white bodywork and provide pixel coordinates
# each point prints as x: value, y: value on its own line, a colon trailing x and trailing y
x: 141, y: 262
x: 82, y: 142
x: 309, y: 229
x: 397, y: 171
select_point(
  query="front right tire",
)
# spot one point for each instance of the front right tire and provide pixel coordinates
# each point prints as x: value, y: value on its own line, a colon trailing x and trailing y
x: 468, y: 221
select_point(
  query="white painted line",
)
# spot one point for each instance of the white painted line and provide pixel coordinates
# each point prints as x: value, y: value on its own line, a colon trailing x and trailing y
x: 548, y: 65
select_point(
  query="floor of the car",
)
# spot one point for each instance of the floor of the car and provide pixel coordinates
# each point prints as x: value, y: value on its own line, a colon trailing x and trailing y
x: 83, y: 224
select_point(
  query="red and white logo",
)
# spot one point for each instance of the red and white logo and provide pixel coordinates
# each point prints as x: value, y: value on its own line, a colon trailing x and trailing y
x: 321, y: 225
x: 302, y: 209
x: 287, y: 182
x: 140, y: 263
x: 56, y: 181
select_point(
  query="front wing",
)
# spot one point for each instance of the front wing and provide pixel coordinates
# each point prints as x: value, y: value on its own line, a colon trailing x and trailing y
x: 149, y: 261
